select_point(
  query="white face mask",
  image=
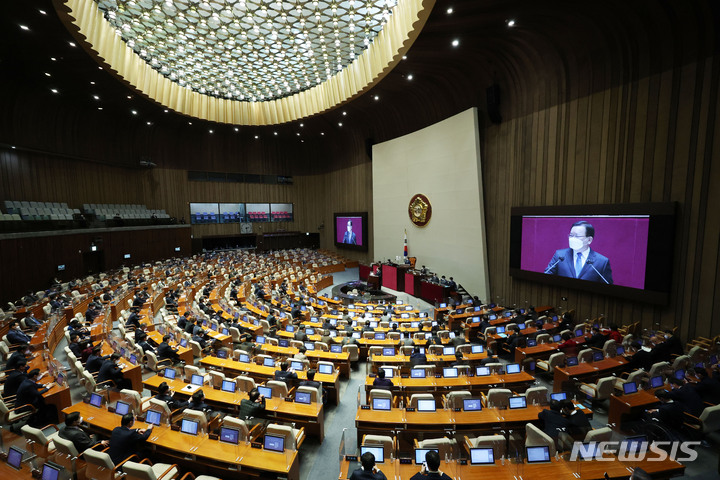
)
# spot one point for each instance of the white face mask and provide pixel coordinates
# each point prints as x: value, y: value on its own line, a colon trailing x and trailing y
x: 575, y: 243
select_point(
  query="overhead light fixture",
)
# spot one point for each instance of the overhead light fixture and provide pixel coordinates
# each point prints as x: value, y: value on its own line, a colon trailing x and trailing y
x: 511, y: 23
x: 96, y: 97
x: 455, y: 42
x: 54, y: 90
x: 134, y: 112
x: 376, y: 97
x: 410, y: 76
x: 72, y: 44
x: 449, y: 10
x: 339, y: 124
x: 236, y: 129
x: 42, y: 11
x: 256, y: 137
x: 47, y: 74
x: 24, y: 27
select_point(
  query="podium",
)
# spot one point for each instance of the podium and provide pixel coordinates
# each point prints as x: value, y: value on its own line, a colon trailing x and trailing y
x: 393, y: 277
x: 412, y: 283
x: 433, y: 292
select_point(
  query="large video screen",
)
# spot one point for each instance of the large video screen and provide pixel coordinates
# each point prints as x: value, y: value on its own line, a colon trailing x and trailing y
x: 624, y: 250
x: 351, y: 230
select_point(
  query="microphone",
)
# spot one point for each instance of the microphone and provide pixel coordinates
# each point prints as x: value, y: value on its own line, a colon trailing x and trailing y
x: 560, y: 259
x: 590, y: 262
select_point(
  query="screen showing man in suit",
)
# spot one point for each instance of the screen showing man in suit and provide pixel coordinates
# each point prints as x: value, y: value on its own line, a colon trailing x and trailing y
x: 579, y: 260
x: 349, y: 230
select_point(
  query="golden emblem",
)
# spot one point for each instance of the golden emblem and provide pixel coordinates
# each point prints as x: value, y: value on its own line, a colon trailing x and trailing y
x: 419, y: 210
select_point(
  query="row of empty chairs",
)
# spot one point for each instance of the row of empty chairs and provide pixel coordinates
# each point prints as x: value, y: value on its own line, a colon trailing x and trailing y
x: 126, y: 212
x: 36, y: 211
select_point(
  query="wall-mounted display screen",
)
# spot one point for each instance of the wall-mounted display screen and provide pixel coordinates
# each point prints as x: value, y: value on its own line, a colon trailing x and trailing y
x: 623, y: 250
x: 204, y: 213
x: 351, y: 230
x: 281, y: 212
x: 232, y: 213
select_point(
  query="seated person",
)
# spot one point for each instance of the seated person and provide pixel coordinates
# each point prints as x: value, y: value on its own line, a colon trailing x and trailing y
x: 597, y: 339
x: 431, y: 468
x: 165, y: 351
x: 74, y: 432
x: 111, y: 371
x: 367, y: 470
x: 15, y: 378
x: 382, y: 382
x: 126, y: 441
x: 568, y: 346
x: 18, y: 356
x: 553, y: 421
x: 670, y: 412
x: 95, y: 360
x: 311, y: 382
x: 31, y: 393
x: 459, y: 360
x: 253, y: 406
x: 286, y: 375
x: 164, y: 394
x: 687, y: 395
x: 578, y: 423
x: 16, y: 336
x: 197, y: 402
x: 417, y: 358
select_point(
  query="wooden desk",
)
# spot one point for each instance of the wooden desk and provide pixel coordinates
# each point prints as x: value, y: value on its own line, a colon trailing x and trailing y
x: 340, y: 360
x: 198, y: 453
x: 587, y: 372
x: 517, y: 382
x: 57, y: 395
x: 538, y: 352
x: 260, y: 372
x: 629, y: 406
x: 130, y: 372
x: 311, y: 416
x: 185, y: 353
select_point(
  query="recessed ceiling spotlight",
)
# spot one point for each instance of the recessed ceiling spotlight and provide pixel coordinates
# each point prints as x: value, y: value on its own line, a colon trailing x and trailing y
x: 25, y: 27
x: 53, y: 59
x: 166, y: 110
x: 256, y: 137
x: 344, y: 113
x: 47, y: 74
x: 134, y: 112
x: 210, y: 131
x: 92, y: 83
x: 96, y: 97
x: 149, y: 123
x: 129, y: 97
x: 274, y: 133
x: 100, y: 108
x: 404, y: 57
x: 511, y: 23
x: 54, y: 90
x: 189, y: 123
x: 455, y: 42
x: 99, y: 68
x: 302, y: 125
x: 72, y: 44
x: 13, y: 147
x: 410, y: 76
x: 322, y: 133
x: 449, y: 10
x: 42, y: 11
x: 376, y: 97
x: 297, y: 133
x: 339, y: 124
x: 236, y: 129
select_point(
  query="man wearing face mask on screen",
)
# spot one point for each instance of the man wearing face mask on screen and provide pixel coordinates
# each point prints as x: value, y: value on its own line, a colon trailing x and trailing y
x: 580, y: 261
x: 350, y: 236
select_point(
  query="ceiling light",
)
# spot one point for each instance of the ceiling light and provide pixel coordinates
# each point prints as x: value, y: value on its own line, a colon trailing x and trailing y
x: 47, y: 74
x: 339, y: 124
x: 455, y: 42
x: 96, y: 97
x: 302, y: 125
x: 344, y: 113
x: 410, y: 76
x: 404, y: 57
x: 53, y: 59
x: 322, y: 133
x: 449, y: 10
x: 189, y: 123
x: 210, y: 131
x: 298, y: 134
x: 274, y: 133
x: 256, y: 137
x: 129, y: 97
x: 42, y: 11
x: 376, y: 98
x: 25, y: 27
x: 134, y: 112
x: 72, y: 44
x: 13, y: 147
x: 149, y: 123
x: 511, y: 23
x: 236, y: 129
x: 100, y: 108
x: 92, y: 83
x: 54, y: 90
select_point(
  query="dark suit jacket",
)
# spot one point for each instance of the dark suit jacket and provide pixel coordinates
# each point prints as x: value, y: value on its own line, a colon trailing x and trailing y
x: 30, y: 392
x: 361, y: 474
x: 552, y: 421
x: 689, y: 398
x: 166, y: 351
x: 80, y: 439
x: 15, y: 336
x: 350, y: 238
x: 94, y: 362
x: 13, y: 383
x: 287, y: 377
x: 429, y: 476
x: 566, y: 267
x: 125, y: 442
x: 109, y: 371
x: 251, y: 409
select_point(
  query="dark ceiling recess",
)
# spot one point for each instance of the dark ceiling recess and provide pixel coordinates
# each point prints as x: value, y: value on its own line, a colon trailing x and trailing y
x: 563, y: 49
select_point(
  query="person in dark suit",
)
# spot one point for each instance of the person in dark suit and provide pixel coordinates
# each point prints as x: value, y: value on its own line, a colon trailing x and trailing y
x: 16, y: 336
x: 350, y: 237
x: 382, y: 382
x: 708, y: 387
x: 165, y: 351
x: 166, y: 396
x: 431, y: 468
x: 286, y: 375
x: 417, y: 358
x: 31, y: 393
x: 670, y: 412
x: 311, y: 382
x: 643, y: 358
x: 253, y: 406
x: 553, y: 420
x: 597, y: 339
x: 73, y: 432
x: 578, y: 423
x: 17, y: 357
x: 111, y: 371
x: 687, y: 395
x: 126, y: 441
x: 579, y: 261
x: 367, y: 471
x: 15, y: 378
x: 95, y: 360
